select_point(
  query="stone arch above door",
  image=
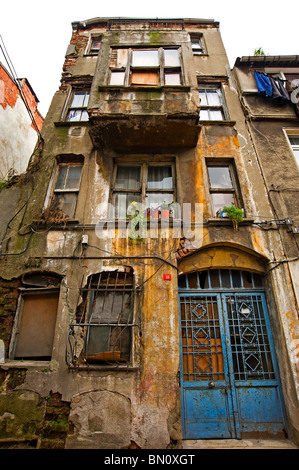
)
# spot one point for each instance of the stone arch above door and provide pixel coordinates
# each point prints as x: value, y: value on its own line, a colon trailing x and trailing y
x: 224, y: 256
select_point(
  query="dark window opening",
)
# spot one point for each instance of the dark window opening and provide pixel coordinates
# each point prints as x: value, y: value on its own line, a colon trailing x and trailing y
x: 106, y: 318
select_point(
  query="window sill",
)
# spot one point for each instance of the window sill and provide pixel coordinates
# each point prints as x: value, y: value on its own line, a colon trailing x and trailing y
x: 161, y: 88
x: 103, y: 368
x: 20, y: 364
x: 227, y: 221
x: 217, y: 123
x: 41, y: 225
x: 71, y: 123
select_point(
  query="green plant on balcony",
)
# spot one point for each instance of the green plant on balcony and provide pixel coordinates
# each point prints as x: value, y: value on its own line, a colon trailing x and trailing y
x: 138, y: 222
x: 235, y: 214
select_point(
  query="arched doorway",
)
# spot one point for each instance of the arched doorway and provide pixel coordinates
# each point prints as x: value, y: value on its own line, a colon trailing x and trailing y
x: 229, y: 375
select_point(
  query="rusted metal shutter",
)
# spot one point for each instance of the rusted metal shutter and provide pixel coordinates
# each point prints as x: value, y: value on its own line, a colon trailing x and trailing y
x: 37, y: 325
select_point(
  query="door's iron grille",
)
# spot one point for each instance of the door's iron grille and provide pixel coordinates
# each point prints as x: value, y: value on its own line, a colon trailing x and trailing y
x: 249, y: 339
x: 220, y: 279
x: 201, y: 344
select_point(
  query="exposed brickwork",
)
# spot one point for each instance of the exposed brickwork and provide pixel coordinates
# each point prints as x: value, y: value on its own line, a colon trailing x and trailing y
x: 9, y: 295
x: 185, y: 247
x: 56, y: 423
x: 11, y: 92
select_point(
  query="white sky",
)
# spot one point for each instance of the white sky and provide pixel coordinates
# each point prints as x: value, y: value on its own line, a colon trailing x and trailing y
x: 36, y: 33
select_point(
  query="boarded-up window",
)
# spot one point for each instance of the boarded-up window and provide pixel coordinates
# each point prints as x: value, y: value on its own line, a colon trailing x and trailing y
x: 145, y: 67
x: 145, y: 78
x: 37, y: 324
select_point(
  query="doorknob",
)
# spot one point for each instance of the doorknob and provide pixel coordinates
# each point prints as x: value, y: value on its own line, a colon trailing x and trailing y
x: 211, y: 384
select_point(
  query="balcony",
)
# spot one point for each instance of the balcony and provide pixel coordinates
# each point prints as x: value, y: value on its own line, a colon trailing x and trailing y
x: 144, y: 117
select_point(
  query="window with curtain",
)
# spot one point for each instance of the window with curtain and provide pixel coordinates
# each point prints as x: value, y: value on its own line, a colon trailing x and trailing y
x: 78, y: 106
x: 150, y: 184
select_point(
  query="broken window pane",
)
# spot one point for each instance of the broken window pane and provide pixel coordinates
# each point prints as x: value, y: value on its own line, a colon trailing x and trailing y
x: 95, y: 46
x: 119, y: 58
x: 109, y: 317
x: 66, y: 202
x: 220, y: 177
x: 159, y: 177
x: 145, y: 58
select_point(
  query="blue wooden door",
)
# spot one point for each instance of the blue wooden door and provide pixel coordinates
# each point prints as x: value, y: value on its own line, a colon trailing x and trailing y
x: 229, y: 378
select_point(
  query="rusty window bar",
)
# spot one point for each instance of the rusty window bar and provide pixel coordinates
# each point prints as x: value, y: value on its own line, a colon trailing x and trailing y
x: 106, y: 316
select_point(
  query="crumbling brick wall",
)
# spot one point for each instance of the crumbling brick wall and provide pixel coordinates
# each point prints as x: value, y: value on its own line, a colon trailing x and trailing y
x: 9, y: 293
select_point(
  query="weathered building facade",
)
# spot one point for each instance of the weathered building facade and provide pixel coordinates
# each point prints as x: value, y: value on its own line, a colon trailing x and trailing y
x: 122, y: 327
x: 19, y: 132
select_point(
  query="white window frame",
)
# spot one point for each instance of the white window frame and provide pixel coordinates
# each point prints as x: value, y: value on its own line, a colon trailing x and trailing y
x: 292, y: 133
x: 221, y: 107
x: 162, y: 70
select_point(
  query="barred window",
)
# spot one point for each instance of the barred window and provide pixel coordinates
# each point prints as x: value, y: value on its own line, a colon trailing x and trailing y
x: 106, y: 317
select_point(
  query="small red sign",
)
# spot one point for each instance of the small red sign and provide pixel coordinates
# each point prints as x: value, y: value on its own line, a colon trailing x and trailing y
x: 167, y: 277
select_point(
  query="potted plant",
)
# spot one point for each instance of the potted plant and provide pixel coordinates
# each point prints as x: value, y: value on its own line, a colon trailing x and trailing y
x: 165, y: 210
x: 155, y: 213
x: 138, y: 222
x: 235, y: 214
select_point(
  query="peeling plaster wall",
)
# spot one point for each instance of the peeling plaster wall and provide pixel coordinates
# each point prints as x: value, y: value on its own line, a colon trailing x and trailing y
x: 140, y: 405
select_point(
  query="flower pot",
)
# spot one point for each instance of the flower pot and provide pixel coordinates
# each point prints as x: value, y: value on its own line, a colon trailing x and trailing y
x: 155, y: 214
x: 165, y: 213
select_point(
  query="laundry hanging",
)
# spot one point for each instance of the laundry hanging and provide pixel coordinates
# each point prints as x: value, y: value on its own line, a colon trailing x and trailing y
x: 263, y: 83
x: 279, y: 93
x: 271, y: 87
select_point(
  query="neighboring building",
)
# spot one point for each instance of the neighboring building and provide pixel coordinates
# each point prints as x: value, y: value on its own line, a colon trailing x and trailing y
x: 20, y: 124
x: 187, y: 331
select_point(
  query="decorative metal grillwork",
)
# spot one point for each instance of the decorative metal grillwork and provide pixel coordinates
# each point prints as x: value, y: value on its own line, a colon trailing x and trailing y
x: 249, y: 339
x: 201, y: 345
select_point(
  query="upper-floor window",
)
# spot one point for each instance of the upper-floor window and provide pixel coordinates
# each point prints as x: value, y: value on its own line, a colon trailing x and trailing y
x: 211, y: 103
x: 77, y: 110
x: 145, y: 67
x: 67, y: 188
x: 95, y: 45
x: 294, y: 143
x: 223, y: 186
x: 147, y: 183
x: 197, y: 44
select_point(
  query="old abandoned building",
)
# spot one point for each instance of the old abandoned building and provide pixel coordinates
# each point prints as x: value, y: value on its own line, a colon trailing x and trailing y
x: 125, y: 325
x: 20, y: 123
